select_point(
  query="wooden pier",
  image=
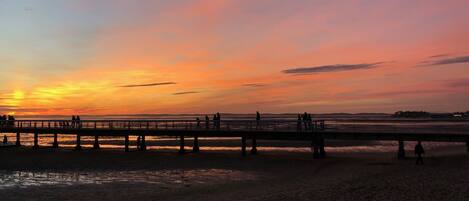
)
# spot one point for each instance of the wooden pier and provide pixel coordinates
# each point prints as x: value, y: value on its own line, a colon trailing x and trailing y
x: 317, y: 132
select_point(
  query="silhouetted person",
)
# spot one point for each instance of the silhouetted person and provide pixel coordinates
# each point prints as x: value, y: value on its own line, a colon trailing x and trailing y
x: 305, y: 120
x: 310, y: 121
x: 298, y: 122
x: 207, y: 122
x: 138, y: 143
x: 74, y: 120
x: 5, y: 139
x: 215, y: 121
x: 198, y: 122
x: 419, y: 151
x: 78, y: 120
x: 258, y: 119
x: 218, y: 120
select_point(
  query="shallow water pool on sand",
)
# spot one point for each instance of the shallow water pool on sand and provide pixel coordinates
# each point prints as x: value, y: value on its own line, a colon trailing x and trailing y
x: 162, y: 178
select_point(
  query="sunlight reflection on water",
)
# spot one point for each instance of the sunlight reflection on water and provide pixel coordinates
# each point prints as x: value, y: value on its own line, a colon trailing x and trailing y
x: 164, y: 178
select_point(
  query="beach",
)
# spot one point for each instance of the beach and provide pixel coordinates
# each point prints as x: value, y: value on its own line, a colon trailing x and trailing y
x: 65, y: 174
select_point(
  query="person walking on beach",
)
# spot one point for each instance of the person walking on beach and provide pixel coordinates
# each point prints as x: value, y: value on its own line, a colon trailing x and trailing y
x: 207, y: 122
x: 5, y: 139
x: 419, y: 151
x: 138, y: 142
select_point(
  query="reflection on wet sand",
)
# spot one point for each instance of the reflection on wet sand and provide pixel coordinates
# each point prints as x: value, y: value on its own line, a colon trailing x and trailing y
x: 163, y: 178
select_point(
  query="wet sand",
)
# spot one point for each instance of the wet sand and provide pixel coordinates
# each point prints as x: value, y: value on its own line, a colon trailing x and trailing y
x: 272, y: 175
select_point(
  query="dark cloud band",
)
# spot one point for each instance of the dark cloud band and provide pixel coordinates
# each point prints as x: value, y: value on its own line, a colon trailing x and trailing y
x: 331, y: 68
x: 148, y: 85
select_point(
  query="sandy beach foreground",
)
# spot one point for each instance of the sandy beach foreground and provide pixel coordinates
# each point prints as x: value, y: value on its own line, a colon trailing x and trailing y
x: 228, y: 176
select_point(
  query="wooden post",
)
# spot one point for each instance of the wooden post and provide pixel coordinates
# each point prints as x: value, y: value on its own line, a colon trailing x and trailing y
x: 18, y: 141
x: 181, y: 145
x: 254, y: 145
x: 322, y: 151
x: 243, y: 146
x: 315, y: 145
x: 96, y: 142
x: 78, y: 146
x: 36, y: 144
x: 126, y: 143
x: 55, y: 144
x: 401, y: 150
x: 195, y: 148
x: 143, y: 145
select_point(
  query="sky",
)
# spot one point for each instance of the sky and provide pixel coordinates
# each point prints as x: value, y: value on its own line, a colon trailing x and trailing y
x: 235, y: 56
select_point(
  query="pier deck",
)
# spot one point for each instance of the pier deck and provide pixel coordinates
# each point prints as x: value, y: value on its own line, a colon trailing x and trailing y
x: 316, y: 131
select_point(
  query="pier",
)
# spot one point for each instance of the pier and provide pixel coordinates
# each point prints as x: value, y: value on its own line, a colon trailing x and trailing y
x: 317, y: 132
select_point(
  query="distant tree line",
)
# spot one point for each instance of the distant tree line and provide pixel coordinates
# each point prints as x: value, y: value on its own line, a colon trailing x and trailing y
x: 423, y: 114
x: 412, y: 114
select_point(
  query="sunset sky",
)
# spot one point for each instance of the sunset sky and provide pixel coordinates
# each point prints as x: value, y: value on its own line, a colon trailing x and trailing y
x: 277, y: 56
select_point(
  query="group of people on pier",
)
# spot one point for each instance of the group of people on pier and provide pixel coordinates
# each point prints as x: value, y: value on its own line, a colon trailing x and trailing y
x: 7, y: 120
x: 306, y: 120
x: 75, y: 123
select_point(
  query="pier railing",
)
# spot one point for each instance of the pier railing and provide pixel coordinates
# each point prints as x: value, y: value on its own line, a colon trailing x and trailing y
x: 244, y: 125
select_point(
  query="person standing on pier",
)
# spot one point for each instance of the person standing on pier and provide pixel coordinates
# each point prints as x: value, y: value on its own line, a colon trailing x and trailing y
x: 258, y: 119
x: 419, y: 151
x: 198, y: 122
x: 78, y: 123
x: 207, y: 122
x: 298, y: 123
x: 73, y: 121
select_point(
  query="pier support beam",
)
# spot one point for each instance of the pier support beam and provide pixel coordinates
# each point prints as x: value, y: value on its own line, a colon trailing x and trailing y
x: 36, y: 144
x: 254, y: 145
x: 55, y: 144
x: 322, y: 151
x: 401, y: 150
x: 126, y: 143
x: 195, y: 148
x: 78, y: 146
x: 315, y: 143
x: 96, y: 142
x: 18, y: 141
x: 243, y: 146
x: 181, y: 145
x: 143, y: 145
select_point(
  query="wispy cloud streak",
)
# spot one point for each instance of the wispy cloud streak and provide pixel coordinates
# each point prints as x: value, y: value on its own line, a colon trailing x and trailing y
x: 331, y: 68
x: 185, y: 92
x: 148, y: 85
x: 453, y: 60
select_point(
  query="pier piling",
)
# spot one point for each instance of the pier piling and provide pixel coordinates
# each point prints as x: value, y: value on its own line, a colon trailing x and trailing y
x: 322, y: 151
x: 36, y: 144
x: 127, y: 143
x: 195, y: 148
x: 55, y: 144
x: 18, y: 140
x: 181, y: 144
x: 254, y: 145
x: 401, y: 150
x: 243, y: 146
x: 96, y: 142
x: 78, y: 145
